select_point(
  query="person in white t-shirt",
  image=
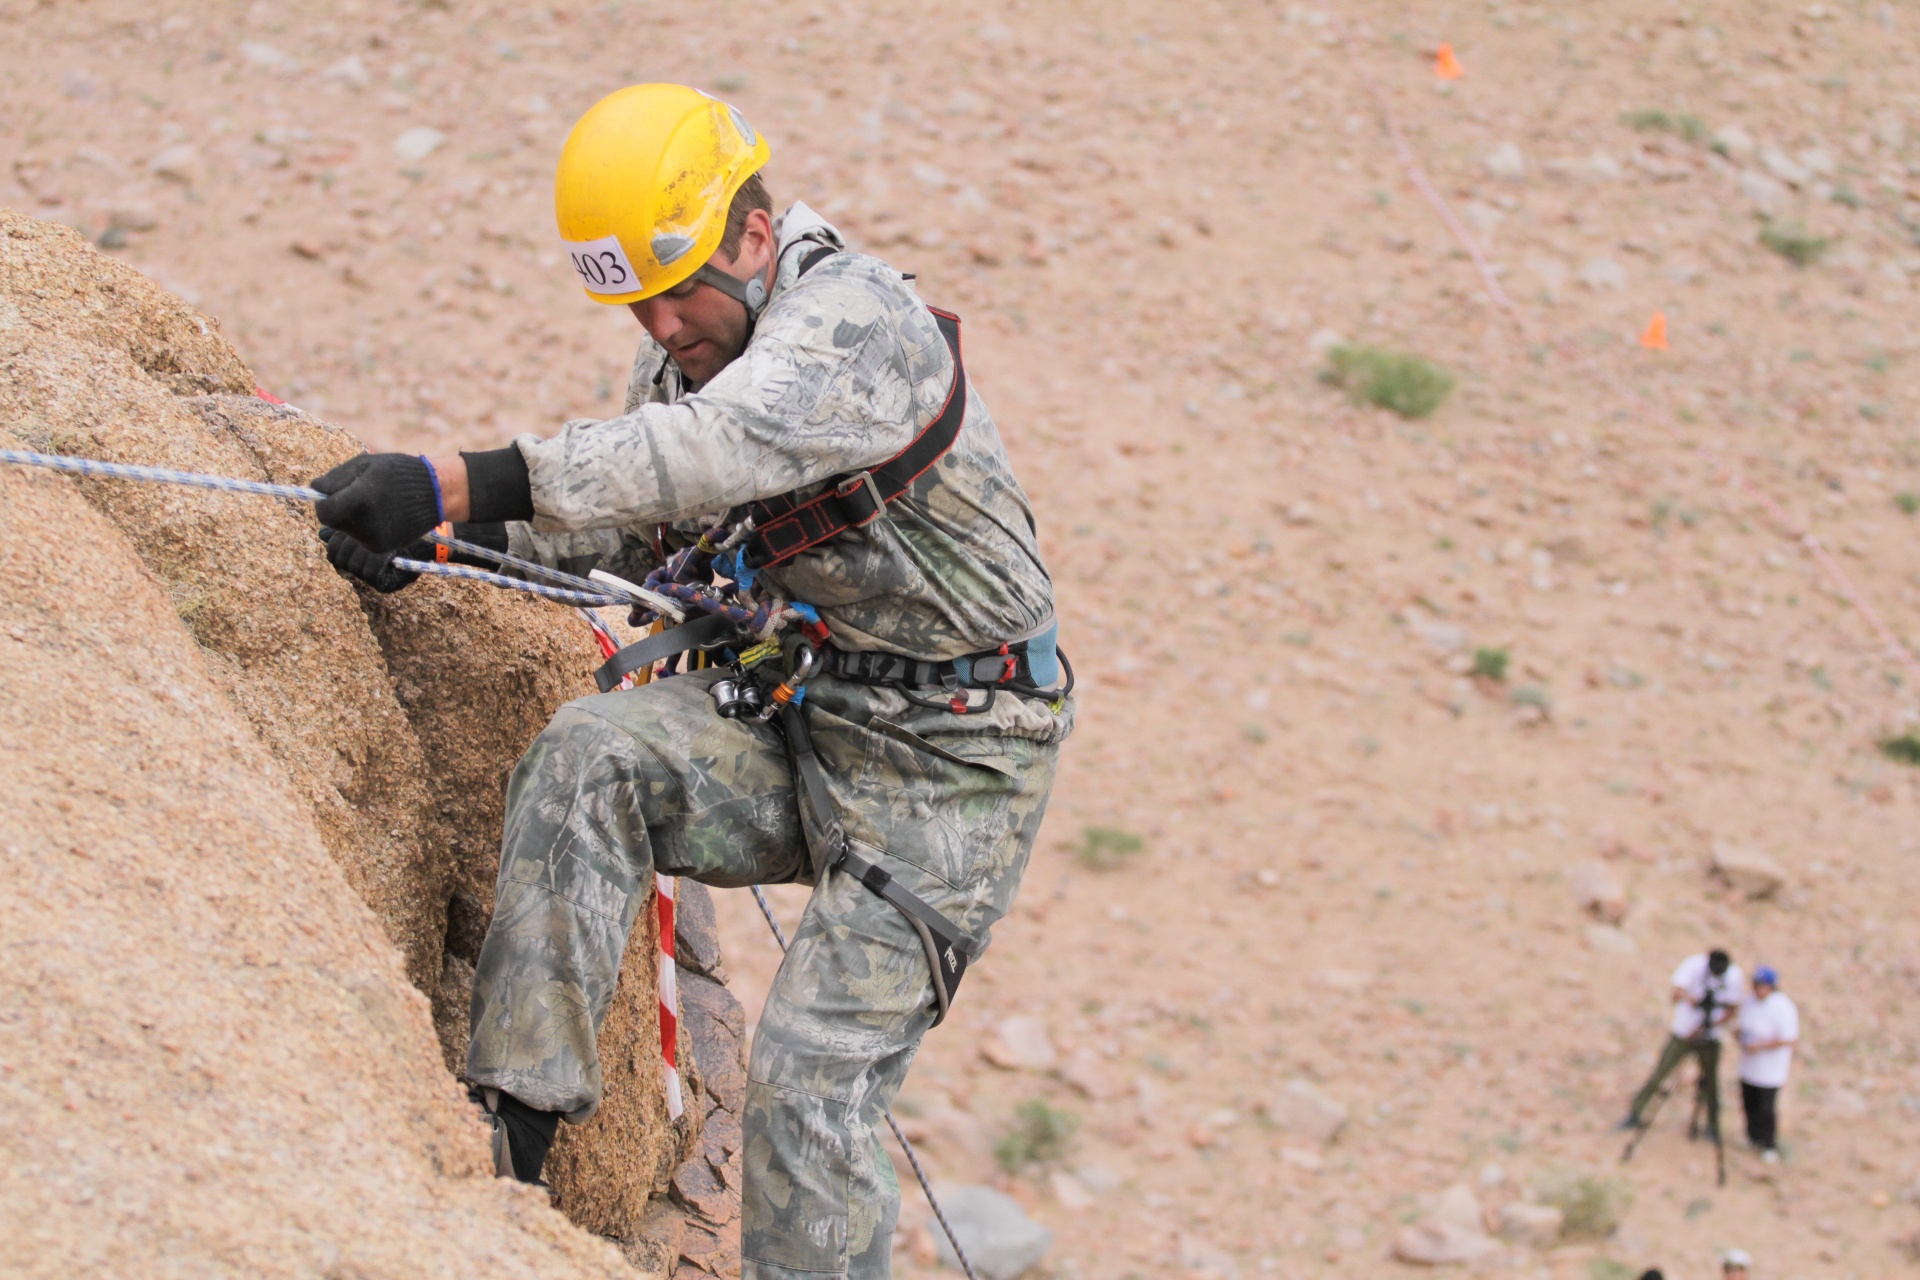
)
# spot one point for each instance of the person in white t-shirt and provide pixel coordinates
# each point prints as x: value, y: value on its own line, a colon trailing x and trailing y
x: 1709, y: 981
x: 1769, y: 1028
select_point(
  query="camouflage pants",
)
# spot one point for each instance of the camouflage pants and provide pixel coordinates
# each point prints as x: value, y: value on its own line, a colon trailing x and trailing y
x: 624, y: 783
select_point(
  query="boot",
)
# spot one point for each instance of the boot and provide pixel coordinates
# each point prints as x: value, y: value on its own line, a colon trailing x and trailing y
x: 521, y: 1136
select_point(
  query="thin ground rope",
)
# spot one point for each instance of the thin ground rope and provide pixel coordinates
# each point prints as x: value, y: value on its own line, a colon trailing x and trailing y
x: 588, y: 599
x: 559, y: 577
x: 926, y: 1184
x: 1738, y: 479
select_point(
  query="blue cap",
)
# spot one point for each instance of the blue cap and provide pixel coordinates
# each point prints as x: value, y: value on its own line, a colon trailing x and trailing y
x: 1766, y: 974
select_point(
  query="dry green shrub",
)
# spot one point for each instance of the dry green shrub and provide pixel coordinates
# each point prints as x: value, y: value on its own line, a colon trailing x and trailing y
x: 1108, y: 848
x: 1594, y: 1204
x: 1041, y: 1134
x: 1396, y: 380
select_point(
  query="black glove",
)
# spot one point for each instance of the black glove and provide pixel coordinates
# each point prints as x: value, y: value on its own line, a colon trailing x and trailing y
x: 381, y: 500
x: 375, y: 568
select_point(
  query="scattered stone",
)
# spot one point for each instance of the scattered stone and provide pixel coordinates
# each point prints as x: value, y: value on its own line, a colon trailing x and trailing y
x: 309, y: 248
x: 1889, y: 129
x: 1302, y: 1110
x: 1536, y: 1226
x: 1841, y: 1103
x: 1324, y: 340
x: 1091, y: 1076
x: 1596, y: 889
x: 180, y: 163
x: 1201, y: 1260
x: 1301, y: 1158
x: 1348, y: 980
x: 418, y: 143
x: 1434, y: 1244
x: 1603, y: 273
x: 1073, y: 1194
x: 1748, y: 871
x: 131, y: 215
x: 1611, y: 940
x: 1506, y: 163
x: 1452, y: 1229
x: 1492, y: 1175
x: 264, y: 55
x: 1021, y: 1043
x: 1768, y: 195
x: 1001, y: 1241
x: 1784, y: 167
x: 350, y: 70
x: 1732, y: 140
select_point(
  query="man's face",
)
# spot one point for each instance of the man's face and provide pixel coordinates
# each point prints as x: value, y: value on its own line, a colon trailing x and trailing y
x: 1763, y: 990
x: 702, y: 328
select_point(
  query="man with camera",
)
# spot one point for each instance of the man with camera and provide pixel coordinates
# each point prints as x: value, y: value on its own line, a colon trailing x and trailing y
x: 1707, y: 989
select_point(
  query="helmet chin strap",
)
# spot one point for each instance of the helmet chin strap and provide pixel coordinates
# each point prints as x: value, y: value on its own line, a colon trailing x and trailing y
x: 751, y: 294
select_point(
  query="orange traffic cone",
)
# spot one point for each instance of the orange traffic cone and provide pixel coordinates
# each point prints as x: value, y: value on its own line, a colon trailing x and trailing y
x: 1654, y: 338
x: 1446, y: 66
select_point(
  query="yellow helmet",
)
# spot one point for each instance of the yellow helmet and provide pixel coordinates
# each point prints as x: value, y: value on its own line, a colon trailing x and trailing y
x: 644, y: 184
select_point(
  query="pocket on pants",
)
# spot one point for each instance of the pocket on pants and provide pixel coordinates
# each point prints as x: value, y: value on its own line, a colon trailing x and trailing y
x: 797, y: 1166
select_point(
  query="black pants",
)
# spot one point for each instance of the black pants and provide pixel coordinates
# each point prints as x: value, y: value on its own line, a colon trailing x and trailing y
x: 1762, y: 1123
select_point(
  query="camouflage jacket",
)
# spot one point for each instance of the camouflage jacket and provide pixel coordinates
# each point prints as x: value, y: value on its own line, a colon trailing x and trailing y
x: 844, y: 368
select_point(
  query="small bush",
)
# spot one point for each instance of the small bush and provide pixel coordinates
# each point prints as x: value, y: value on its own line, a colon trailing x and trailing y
x: 1907, y: 502
x: 1040, y: 1134
x: 1795, y: 243
x: 1490, y: 663
x: 1685, y: 124
x: 1608, y: 1269
x: 1593, y: 1205
x: 1533, y: 695
x: 1107, y: 848
x: 1905, y: 748
x: 1396, y: 380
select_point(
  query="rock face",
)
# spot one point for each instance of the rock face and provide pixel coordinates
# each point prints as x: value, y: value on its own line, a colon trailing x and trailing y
x: 272, y: 805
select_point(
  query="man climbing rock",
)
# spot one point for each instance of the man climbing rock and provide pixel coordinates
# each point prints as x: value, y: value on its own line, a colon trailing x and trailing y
x: 787, y: 380
x: 1707, y: 988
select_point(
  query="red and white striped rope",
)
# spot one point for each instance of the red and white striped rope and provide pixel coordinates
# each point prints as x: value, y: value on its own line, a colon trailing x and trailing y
x: 663, y: 910
x: 669, y: 994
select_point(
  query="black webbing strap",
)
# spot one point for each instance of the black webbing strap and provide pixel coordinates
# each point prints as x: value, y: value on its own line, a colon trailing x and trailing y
x: 785, y: 526
x: 701, y: 633
x: 948, y: 950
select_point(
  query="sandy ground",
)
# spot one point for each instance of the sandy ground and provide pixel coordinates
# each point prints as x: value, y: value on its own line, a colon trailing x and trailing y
x: 1356, y: 860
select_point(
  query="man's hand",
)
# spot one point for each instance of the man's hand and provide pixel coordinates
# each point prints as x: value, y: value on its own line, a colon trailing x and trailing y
x: 375, y: 568
x: 381, y: 500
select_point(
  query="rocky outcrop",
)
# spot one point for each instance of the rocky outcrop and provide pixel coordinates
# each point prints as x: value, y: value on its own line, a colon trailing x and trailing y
x: 254, y: 814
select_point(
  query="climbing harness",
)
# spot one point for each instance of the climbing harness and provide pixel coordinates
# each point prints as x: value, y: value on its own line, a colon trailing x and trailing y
x: 913, y: 1158
x: 787, y: 525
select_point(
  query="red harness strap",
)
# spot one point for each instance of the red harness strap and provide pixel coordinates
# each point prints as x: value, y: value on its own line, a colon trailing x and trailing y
x: 785, y: 526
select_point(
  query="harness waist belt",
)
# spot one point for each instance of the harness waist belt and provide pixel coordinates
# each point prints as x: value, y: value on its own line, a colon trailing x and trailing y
x: 1026, y: 664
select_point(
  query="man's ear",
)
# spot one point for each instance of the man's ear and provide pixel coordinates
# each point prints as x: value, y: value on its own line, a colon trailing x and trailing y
x: 757, y: 237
